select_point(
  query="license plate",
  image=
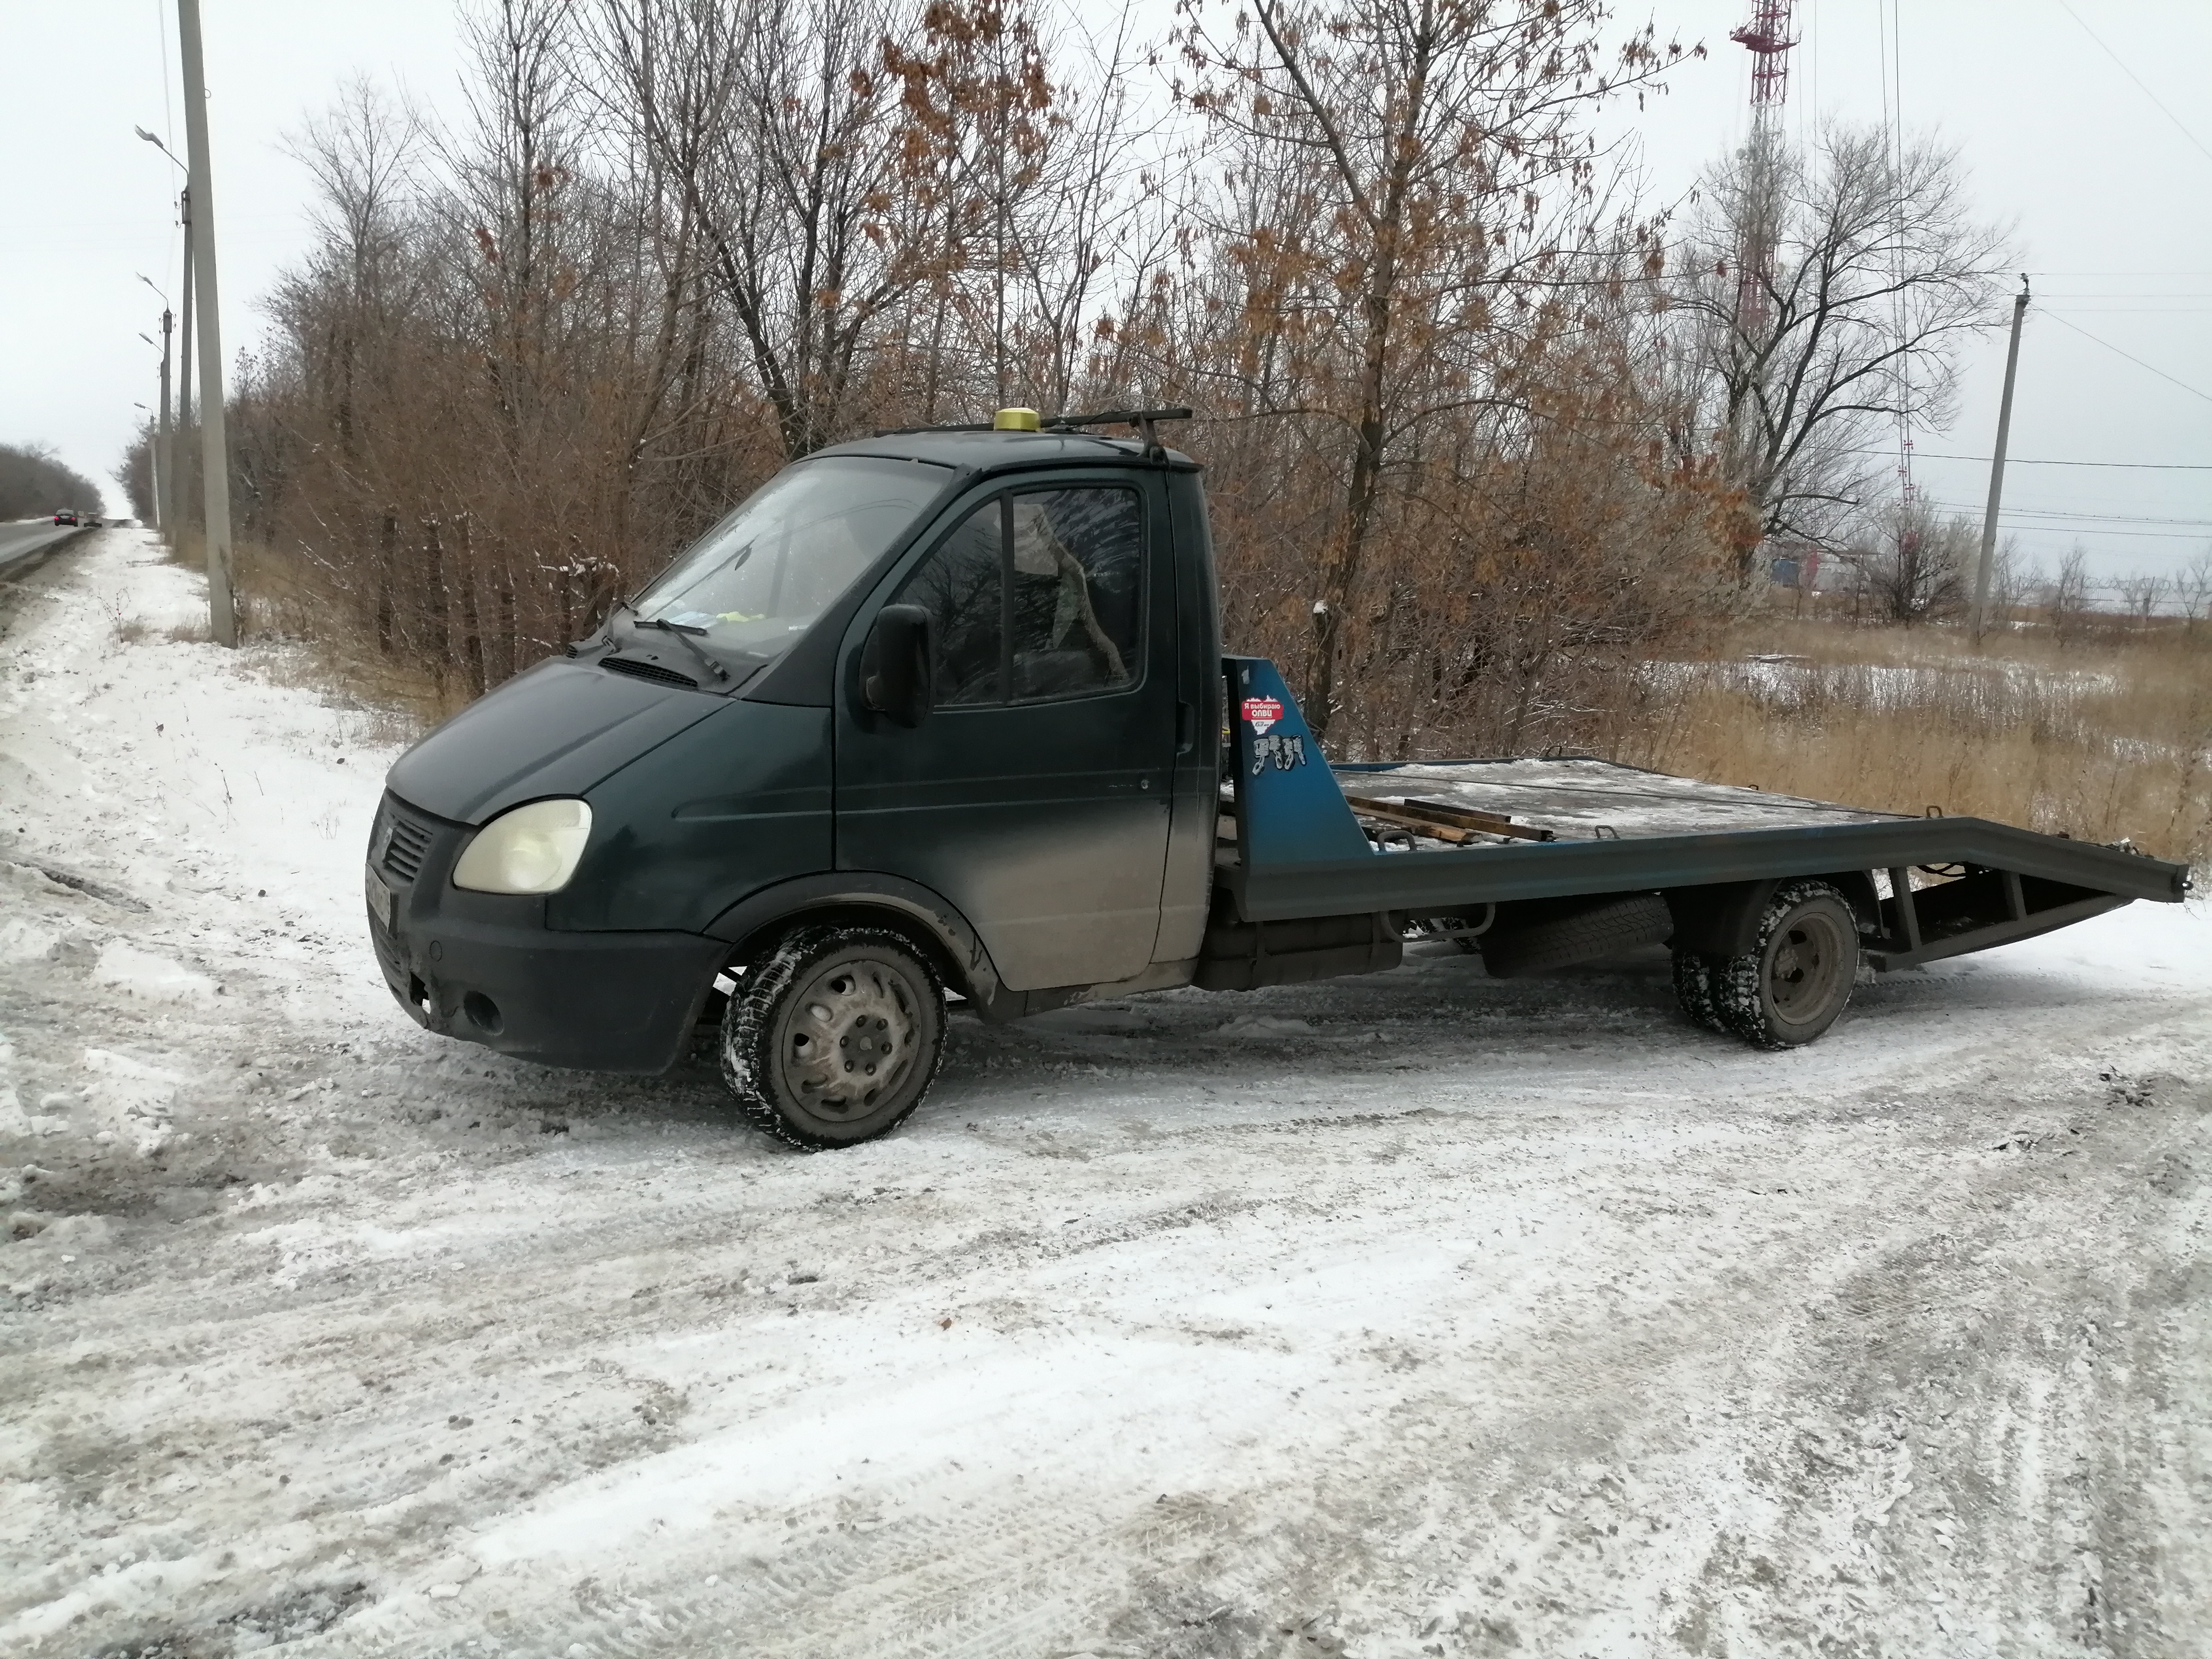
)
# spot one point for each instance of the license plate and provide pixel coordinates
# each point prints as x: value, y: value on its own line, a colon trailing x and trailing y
x: 383, y: 902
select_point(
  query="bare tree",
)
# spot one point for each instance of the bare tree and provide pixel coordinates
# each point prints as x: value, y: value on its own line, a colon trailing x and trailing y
x: 1880, y: 273
x: 1917, y: 569
x: 2066, y: 597
x: 2141, y: 594
x: 362, y: 154
x: 2192, y: 591
x: 774, y: 120
x: 674, y: 242
x: 2010, y: 580
x: 976, y: 132
x: 1428, y: 170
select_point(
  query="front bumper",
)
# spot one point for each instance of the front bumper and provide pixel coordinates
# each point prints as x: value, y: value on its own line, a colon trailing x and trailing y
x: 485, y: 968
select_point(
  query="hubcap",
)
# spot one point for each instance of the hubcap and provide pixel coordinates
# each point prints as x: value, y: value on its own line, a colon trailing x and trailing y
x: 1801, y: 976
x: 850, y: 1039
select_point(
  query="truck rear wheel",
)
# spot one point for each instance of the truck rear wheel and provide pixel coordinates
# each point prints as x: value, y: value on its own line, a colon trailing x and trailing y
x: 1693, y: 989
x: 1792, y: 984
x: 833, y: 1037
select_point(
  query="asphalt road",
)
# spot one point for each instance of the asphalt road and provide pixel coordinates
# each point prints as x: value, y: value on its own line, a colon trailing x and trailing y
x: 26, y: 538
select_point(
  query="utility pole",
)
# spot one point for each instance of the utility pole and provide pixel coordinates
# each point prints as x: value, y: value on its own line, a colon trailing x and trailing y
x: 187, y: 498
x: 173, y: 503
x: 215, y: 453
x: 1997, y: 467
x: 165, y: 503
x: 165, y: 477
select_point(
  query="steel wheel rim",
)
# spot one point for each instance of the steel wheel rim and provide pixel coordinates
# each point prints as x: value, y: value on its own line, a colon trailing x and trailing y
x: 850, y: 1040
x: 1803, y: 965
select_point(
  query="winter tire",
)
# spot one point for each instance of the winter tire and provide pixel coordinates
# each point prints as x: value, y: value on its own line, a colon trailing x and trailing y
x: 1792, y: 984
x: 1693, y: 989
x: 833, y: 1037
x: 1604, y: 929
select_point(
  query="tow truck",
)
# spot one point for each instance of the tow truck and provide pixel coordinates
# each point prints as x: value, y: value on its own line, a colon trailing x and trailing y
x: 943, y: 717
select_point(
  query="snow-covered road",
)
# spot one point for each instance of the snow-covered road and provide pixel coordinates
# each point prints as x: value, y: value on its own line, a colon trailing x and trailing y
x: 1415, y: 1315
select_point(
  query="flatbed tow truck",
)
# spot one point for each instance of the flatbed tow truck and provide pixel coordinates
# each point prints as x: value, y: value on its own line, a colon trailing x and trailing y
x: 944, y: 716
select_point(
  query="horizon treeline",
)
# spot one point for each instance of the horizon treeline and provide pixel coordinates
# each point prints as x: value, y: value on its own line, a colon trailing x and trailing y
x: 1457, y: 410
x: 35, y: 482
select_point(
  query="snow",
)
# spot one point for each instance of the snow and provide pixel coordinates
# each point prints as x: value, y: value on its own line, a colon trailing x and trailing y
x: 1577, y: 798
x: 1414, y: 1314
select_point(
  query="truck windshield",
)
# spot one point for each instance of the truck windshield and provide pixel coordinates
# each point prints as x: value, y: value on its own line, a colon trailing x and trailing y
x: 758, y: 579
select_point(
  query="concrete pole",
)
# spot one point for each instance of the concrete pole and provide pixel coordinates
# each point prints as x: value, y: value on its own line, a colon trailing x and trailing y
x: 1997, y: 468
x: 183, y: 497
x: 165, y: 464
x: 215, y: 451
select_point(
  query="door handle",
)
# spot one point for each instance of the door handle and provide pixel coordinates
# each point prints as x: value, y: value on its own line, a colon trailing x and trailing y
x: 1186, y: 728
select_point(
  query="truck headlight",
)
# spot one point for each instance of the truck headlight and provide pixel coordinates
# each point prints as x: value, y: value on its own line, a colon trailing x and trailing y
x: 531, y: 849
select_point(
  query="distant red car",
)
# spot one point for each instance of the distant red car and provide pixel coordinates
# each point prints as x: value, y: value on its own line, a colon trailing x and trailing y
x: 67, y: 515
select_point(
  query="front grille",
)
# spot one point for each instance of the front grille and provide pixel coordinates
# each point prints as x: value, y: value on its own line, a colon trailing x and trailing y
x: 647, y: 670
x: 404, y: 846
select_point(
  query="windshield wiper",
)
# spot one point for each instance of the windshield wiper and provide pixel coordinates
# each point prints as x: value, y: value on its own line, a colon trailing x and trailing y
x: 683, y: 631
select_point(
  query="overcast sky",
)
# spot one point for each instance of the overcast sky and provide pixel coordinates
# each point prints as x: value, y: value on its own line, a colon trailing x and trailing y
x: 2061, y: 129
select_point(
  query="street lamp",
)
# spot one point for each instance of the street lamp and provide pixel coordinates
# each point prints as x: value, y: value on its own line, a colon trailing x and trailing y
x: 165, y: 459
x: 172, y: 499
x: 164, y: 149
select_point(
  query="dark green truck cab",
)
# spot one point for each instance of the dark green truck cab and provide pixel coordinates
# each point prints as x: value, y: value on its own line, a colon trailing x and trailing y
x: 943, y: 712
x: 1036, y: 816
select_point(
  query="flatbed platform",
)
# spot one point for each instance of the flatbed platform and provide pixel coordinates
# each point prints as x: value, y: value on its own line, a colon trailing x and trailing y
x: 1590, y: 800
x: 1432, y: 837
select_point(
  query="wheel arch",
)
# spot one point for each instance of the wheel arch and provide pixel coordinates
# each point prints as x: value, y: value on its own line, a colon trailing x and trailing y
x: 862, y: 898
x: 1722, y: 919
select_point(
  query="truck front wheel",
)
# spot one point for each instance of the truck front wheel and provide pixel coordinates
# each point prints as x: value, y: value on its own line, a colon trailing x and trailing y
x: 1792, y: 984
x: 834, y: 1035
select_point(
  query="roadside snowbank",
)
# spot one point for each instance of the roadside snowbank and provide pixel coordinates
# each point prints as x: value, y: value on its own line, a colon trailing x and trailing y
x: 1417, y: 1314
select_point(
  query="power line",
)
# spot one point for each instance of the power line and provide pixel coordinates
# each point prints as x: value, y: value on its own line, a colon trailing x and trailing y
x: 2021, y: 460
x: 2138, y: 79
x: 2129, y: 355
x: 2079, y: 531
x: 168, y: 115
x: 2108, y: 518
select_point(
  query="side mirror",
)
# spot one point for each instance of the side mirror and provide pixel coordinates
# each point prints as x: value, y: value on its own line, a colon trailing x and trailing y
x: 894, y: 664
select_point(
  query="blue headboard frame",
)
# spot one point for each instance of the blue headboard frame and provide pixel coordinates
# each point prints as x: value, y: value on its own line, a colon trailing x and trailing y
x: 1289, y: 808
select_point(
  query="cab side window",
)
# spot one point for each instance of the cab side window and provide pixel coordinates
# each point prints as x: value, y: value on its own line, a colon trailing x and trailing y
x: 1035, y: 597
x: 1076, y: 583
x: 962, y: 586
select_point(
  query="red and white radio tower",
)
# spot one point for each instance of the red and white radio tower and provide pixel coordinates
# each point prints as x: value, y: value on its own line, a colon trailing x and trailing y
x: 1766, y: 37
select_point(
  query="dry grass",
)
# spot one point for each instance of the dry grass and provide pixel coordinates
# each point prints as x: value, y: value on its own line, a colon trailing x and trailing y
x: 2103, y: 738
x: 278, y: 608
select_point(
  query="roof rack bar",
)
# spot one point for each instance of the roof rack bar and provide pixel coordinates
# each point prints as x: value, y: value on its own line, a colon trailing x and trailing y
x: 1120, y: 417
x: 1142, y: 419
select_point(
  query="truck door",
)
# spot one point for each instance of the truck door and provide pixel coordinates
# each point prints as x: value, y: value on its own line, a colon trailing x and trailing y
x: 1036, y: 795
